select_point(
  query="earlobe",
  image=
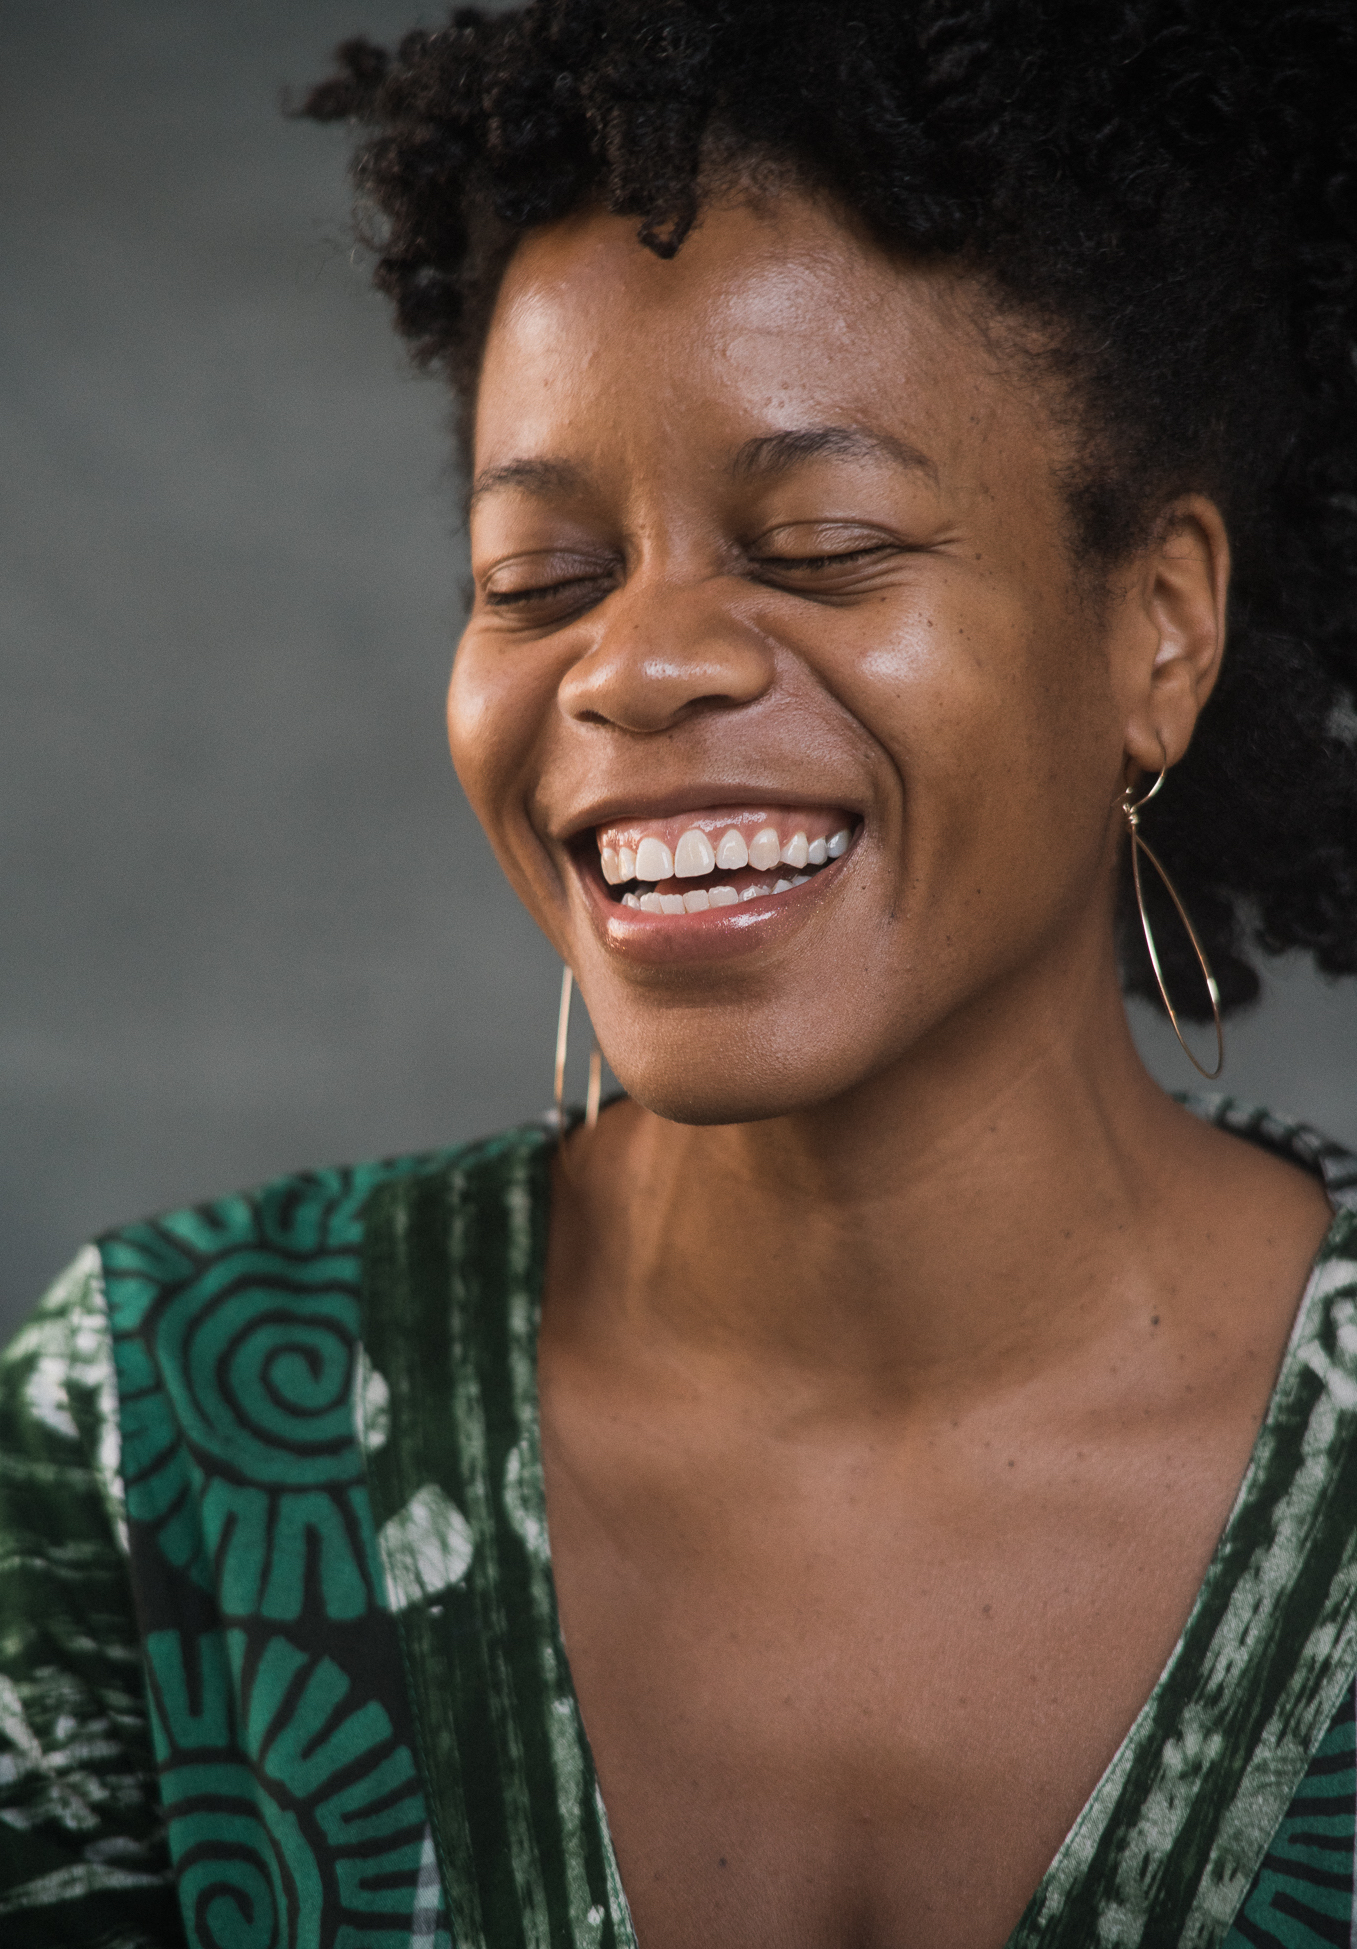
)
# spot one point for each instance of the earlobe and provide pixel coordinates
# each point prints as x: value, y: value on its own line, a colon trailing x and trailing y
x: 1184, y: 590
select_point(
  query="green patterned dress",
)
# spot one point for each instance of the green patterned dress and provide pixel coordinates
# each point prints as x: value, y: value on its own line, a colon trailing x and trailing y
x: 280, y: 1663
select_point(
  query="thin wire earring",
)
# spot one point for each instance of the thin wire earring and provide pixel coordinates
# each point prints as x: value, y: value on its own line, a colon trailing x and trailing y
x: 1133, y: 809
x: 595, y: 1062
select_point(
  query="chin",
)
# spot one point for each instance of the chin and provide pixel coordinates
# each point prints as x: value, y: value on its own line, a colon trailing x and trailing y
x: 683, y: 1105
x: 725, y: 1086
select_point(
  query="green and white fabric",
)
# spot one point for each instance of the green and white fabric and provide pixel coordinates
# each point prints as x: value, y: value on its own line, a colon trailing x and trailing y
x: 280, y: 1661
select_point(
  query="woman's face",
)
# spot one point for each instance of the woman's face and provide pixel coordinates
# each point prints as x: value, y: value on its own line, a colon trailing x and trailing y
x: 773, y: 589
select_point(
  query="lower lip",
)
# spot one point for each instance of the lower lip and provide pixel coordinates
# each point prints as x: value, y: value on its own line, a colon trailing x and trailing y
x: 704, y: 936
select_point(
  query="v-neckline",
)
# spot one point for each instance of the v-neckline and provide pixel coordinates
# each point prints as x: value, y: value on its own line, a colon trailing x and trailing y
x: 1070, y: 1866
x: 1060, y: 1914
x: 1141, y: 1838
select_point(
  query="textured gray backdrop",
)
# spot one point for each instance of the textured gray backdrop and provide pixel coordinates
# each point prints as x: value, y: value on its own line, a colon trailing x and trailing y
x: 248, y: 923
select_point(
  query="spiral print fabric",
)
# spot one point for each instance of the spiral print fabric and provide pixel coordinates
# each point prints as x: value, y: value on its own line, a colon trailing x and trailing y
x: 357, y: 1727
x: 245, y: 1802
x: 294, y: 1814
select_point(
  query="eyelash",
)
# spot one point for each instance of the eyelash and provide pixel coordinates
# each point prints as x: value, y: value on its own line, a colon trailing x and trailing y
x: 802, y: 564
x: 822, y: 561
x: 518, y: 598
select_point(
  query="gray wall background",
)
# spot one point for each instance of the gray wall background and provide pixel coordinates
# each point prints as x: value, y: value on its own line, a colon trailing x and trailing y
x: 246, y: 921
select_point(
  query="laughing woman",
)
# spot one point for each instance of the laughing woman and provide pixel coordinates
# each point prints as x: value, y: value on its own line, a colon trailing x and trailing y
x: 913, y: 498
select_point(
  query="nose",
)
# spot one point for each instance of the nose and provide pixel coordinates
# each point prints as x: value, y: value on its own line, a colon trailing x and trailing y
x: 663, y: 653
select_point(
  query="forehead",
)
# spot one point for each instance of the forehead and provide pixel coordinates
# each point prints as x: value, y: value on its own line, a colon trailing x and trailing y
x: 770, y: 314
x: 779, y: 264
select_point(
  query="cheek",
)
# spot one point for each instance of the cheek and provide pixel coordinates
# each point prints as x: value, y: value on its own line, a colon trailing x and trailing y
x: 947, y: 692
x: 988, y: 713
x: 494, y: 716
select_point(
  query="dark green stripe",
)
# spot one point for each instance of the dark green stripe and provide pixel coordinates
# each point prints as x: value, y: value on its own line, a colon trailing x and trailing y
x: 452, y: 1281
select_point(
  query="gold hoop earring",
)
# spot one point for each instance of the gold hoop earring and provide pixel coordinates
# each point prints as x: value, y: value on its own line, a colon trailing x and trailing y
x: 595, y: 1063
x: 1133, y: 809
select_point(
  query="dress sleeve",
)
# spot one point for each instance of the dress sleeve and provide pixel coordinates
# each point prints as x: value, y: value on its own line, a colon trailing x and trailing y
x: 83, y: 1858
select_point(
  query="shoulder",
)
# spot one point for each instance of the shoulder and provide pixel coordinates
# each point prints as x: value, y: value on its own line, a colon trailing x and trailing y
x: 199, y: 1379
x: 235, y: 1329
x: 217, y: 1352
x: 296, y: 1244
x: 1288, y: 1138
x: 300, y: 1232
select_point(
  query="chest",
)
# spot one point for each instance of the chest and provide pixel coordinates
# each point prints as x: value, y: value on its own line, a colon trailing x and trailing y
x: 858, y: 1695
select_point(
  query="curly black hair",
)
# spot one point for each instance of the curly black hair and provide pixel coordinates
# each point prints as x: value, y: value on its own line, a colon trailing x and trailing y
x: 1165, y: 188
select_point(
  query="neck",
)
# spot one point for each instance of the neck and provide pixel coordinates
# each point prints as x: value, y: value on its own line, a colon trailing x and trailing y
x: 978, y: 1204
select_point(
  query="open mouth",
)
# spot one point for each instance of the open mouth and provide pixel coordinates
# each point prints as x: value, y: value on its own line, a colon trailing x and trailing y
x: 692, y: 863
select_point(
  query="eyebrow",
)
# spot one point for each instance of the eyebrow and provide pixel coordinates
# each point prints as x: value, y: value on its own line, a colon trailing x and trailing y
x: 770, y: 453
x: 774, y: 453
x: 542, y: 477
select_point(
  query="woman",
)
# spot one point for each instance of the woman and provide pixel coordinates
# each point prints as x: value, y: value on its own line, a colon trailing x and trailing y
x: 949, y: 1442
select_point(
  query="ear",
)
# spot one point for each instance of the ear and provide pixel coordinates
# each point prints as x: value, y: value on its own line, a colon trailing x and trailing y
x: 1169, y: 636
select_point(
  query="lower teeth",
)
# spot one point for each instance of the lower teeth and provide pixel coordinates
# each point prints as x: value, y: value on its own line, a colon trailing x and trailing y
x: 702, y: 898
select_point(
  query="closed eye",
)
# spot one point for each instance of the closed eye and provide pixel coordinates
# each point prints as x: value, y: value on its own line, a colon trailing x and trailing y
x: 829, y: 575
x: 812, y: 563
x: 546, y: 592
x: 545, y: 604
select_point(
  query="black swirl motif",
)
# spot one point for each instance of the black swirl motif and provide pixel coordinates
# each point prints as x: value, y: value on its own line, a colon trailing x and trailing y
x: 235, y: 1336
x: 295, y: 1816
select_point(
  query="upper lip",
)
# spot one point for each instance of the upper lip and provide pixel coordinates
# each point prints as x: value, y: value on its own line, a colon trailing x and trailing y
x: 652, y: 804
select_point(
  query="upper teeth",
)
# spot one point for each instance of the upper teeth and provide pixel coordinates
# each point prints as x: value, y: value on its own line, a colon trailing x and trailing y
x: 796, y: 851
x: 695, y: 856
x: 654, y: 861
x: 765, y: 849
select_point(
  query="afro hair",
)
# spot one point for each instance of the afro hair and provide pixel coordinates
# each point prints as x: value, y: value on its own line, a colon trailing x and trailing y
x: 1164, y: 187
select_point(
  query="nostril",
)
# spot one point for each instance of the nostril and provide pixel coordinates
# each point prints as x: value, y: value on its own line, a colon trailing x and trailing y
x: 655, y: 720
